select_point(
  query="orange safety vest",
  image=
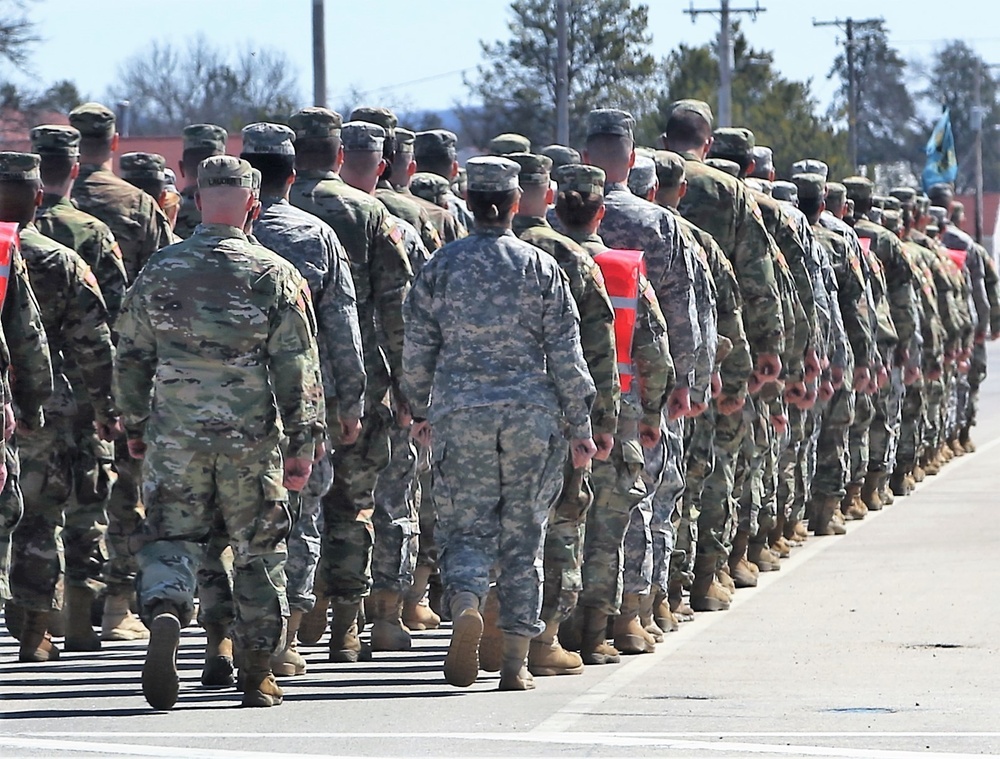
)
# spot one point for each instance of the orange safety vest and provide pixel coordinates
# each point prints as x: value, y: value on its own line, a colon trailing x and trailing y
x: 958, y: 256
x: 9, y: 242
x: 866, y: 243
x: 621, y: 270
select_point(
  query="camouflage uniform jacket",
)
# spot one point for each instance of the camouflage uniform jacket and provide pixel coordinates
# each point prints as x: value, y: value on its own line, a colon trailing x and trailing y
x: 900, y: 290
x: 409, y: 210
x: 632, y: 223
x: 932, y: 331
x: 91, y: 238
x: 379, y: 265
x: 597, y: 315
x: 188, y: 215
x: 851, y: 285
x: 722, y: 206
x: 139, y: 226
x: 976, y: 269
x: 30, y: 358
x: 76, y: 323
x: 217, y: 349
x: 449, y: 228
x: 311, y: 245
x: 654, y: 368
x: 491, y: 320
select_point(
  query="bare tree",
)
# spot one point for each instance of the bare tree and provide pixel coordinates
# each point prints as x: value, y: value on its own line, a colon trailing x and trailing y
x: 17, y: 32
x: 170, y: 87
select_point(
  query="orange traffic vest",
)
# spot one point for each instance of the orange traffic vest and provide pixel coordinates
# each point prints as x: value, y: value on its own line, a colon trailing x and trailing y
x: 621, y: 270
x: 9, y: 242
x: 958, y: 256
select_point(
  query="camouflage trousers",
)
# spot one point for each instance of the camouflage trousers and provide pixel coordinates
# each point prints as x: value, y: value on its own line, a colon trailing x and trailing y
x: 563, y: 552
x: 717, y: 505
x: 771, y: 447
x: 11, y: 509
x: 427, y: 551
x: 935, y: 412
x: 831, y: 447
x: 397, y: 516
x: 749, y: 487
x: 674, y: 528
x: 125, y: 515
x: 496, y: 473
x: 638, y: 568
x: 910, y: 427
x: 977, y: 374
x: 618, y: 490
x: 348, y: 531
x: 859, y: 438
x: 65, y: 490
x: 192, y: 497
x: 885, y: 427
x: 963, y: 393
x: 791, y: 494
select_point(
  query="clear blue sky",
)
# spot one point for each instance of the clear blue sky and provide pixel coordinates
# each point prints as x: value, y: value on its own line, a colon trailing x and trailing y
x: 410, y: 53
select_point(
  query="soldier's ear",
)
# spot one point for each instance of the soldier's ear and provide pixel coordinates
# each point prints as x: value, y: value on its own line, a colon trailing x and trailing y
x: 682, y: 190
x: 751, y: 167
x: 411, y: 168
x: 600, y: 212
x: 454, y: 169
x: 75, y: 171
x: 114, y: 142
x: 550, y: 196
x: 631, y: 158
x: 180, y: 167
x: 197, y: 199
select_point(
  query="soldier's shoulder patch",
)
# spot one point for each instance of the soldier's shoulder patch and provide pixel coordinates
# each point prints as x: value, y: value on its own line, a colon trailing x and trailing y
x: 780, y: 257
x: 650, y: 294
x: 395, y: 233
x: 116, y: 251
x: 755, y: 209
x: 599, y: 278
x: 89, y: 278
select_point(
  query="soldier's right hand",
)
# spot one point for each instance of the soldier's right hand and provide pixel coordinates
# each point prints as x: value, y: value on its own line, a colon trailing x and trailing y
x: 912, y: 375
x: 604, y: 441
x: 826, y: 390
x: 297, y: 473
x: 9, y: 422
x: 137, y: 448
x: 582, y: 451
x: 111, y: 431
x: 729, y: 404
x: 420, y: 431
x: 350, y: 429
x: 649, y: 435
x: 811, y: 365
x: 3, y: 474
x: 679, y: 403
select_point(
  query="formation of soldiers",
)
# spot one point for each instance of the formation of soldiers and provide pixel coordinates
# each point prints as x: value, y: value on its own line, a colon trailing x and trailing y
x: 565, y: 400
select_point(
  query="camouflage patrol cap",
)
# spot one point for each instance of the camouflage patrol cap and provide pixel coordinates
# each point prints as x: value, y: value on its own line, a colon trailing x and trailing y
x: 958, y: 205
x: 492, y: 174
x: 578, y: 177
x: 760, y: 185
x: 264, y: 138
x: 810, y: 166
x: 429, y: 186
x: 373, y: 115
x: 699, y: 107
x: 535, y: 169
x: 460, y: 182
x: 940, y: 188
x: 610, y: 121
x: 763, y: 158
x: 19, y: 167
x: 256, y: 178
x: 93, y: 120
x: 836, y: 192
x: 561, y: 155
x: 938, y: 213
x: 53, y: 139
x: 170, y: 179
x: 205, y: 137
x: 669, y: 168
x: 724, y: 164
x: 892, y: 204
x: 878, y: 201
x: 142, y: 166
x: 810, y: 185
x: 507, y: 143
x: 362, y: 136
x: 642, y: 176
x: 787, y: 191
x: 923, y: 203
x: 224, y: 171
x: 315, y: 122
x: 732, y: 141
x: 858, y: 188
x: 435, y: 143
x: 892, y: 220
x: 404, y: 140
x: 931, y: 230
x: 906, y: 195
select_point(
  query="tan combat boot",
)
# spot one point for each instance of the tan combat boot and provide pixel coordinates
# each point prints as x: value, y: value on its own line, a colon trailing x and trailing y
x: 822, y: 521
x: 514, y: 674
x: 680, y: 608
x: 629, y: 637
x: 314, y: 622
x: 595, y: 648
x: 956, y: 447
x: 160, y: 682
x: 388, y: 632
x: 289, y: 662
x: 653, y: 630
x: 546, y: 657
x: 885, y: 490
x: 218, y: 671
x: 345, y: 645
x: 80, y: 635
x: 851, y: 506
x: 741, y: 569
x: 571, y: 630
x: 36, y: 642
x: 871, y: 495
x: 491, y: 644
x: 964, y: 437
x: 417, y: 612
x: 461, y: 663
x: 663, y: 615
x: 259, y: 686
x: 766, y: 561
x: 118, y: 622
x: 723, y: 578
x: 707, y: 594
x: 781, y: 546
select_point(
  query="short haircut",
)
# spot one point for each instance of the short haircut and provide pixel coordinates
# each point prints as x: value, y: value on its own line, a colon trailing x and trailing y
x: 91, y: 145
x: 609, y: 148
x: 686, y: 129
x: 440, y: 165
x: 55, y: 169
x: 274, y: 170
x: 810, y: 206
x: 317, y: 151
x: 192, y: 157
x: 741, y: 160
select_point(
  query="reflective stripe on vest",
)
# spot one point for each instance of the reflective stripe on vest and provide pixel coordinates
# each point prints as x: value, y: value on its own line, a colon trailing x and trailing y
x: 9, y: 242
x: 621, y: 270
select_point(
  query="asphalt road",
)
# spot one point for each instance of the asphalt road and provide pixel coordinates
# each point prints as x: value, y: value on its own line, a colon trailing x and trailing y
x: 881, y: 643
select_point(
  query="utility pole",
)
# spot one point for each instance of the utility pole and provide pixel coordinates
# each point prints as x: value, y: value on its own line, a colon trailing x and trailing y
x: 978, y: 112
x: 319, y: 54
x: 849, y: 26
x: 724, y: 117
x: 562, y: 72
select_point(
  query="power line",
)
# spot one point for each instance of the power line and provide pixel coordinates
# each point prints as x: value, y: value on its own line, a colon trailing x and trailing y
x: 423, y: 80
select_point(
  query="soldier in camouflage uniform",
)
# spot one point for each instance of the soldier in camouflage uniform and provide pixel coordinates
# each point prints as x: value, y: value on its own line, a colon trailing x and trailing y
x: 404, y: 167
x: 435, y: 153
x: 227, y: 462
x: 76, y: 322
x: 564, y: 537
x: 508, y: 143
x: 60, y: 220
x: 200, y: 141
x: 381, y: 272
x: 313, y: 247
x: 504, y: 379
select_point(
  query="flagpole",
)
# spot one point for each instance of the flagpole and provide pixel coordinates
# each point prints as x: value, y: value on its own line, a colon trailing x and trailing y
x: 977, y: 123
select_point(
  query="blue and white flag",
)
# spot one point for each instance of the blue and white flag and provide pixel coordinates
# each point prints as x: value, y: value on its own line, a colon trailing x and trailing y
x: 942, y: 163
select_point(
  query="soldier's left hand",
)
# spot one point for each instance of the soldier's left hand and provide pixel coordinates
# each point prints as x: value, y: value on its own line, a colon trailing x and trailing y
x: 421, y: 432
x: 862, y: 379
x: 679, y: 403
x: 297, y: 473
x: 780, y: 423
x: 111, y: 431
x: 716, y: 385
x: 9, y: 422
x: 604, y: 442
x: 582, y: 451
x: 768, y: 365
